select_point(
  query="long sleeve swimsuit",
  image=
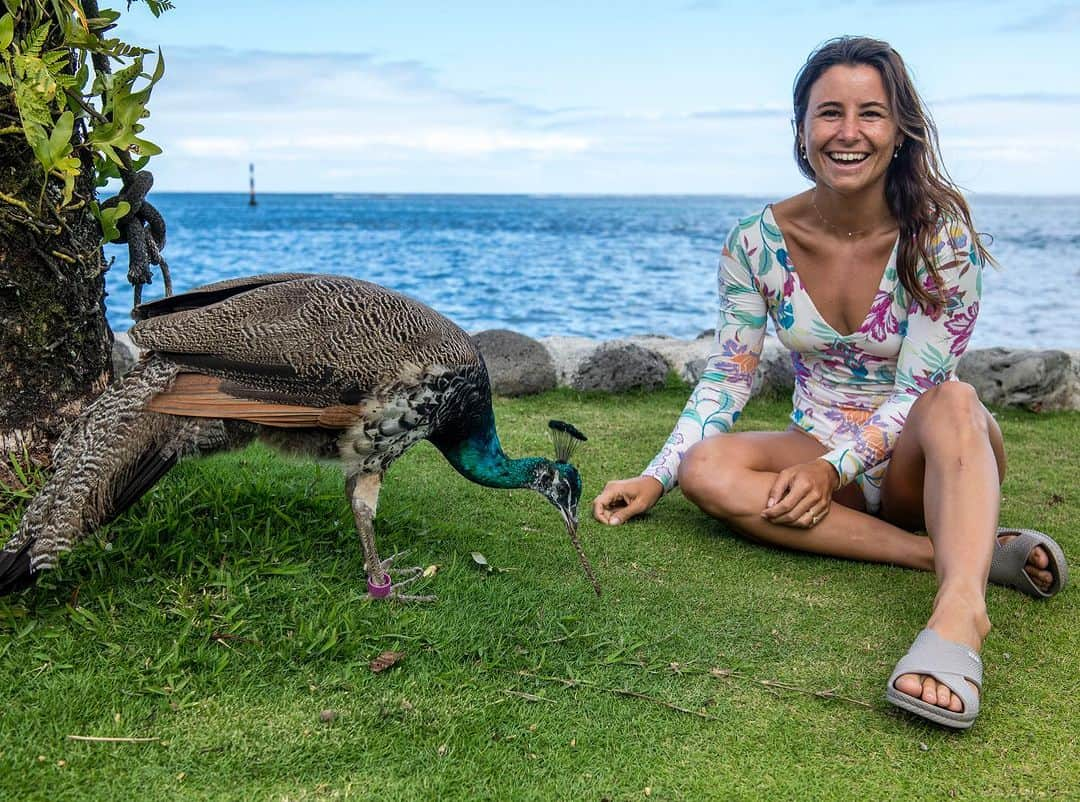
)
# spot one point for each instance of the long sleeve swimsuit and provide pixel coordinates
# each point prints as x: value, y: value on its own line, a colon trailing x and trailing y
x: 852, y: 392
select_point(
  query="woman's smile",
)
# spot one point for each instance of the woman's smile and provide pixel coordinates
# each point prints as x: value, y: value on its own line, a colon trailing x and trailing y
x: 849, y: 131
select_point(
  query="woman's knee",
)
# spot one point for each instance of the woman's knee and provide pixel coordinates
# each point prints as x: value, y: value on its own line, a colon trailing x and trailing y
x: 705, y: 474
x: 953, y: 410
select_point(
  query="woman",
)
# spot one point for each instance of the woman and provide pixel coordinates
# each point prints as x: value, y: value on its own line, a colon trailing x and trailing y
x: 880, y: 426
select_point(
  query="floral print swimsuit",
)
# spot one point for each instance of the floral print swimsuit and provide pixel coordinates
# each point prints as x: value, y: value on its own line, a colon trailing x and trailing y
x: 852, y: 392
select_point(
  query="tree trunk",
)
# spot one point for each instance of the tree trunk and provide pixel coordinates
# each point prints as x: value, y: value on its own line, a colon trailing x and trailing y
x: 55, y: 343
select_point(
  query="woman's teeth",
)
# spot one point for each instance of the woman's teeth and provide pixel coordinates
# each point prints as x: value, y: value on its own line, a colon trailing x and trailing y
x: 847, y: 157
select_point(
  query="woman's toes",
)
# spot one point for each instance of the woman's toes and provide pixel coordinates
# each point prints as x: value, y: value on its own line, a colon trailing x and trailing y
x: 1042, y: 579
x: 1038, y: 557
x: 929, y: 690
x: 909, y: 684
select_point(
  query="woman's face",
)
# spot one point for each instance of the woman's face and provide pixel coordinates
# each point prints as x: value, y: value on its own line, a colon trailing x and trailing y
x: 849, y: 132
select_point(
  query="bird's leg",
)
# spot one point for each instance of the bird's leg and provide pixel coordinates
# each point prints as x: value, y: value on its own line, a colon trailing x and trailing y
x: 363, y: 492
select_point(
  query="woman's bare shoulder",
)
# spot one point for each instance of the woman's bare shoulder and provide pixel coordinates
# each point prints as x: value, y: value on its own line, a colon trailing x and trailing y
x: 793, y: 213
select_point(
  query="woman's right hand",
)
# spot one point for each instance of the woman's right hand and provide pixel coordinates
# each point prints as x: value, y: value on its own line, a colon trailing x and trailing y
x: 622, y: 499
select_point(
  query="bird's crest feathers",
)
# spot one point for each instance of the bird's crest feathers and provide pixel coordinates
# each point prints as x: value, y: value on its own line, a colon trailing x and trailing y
x: 565, y: 438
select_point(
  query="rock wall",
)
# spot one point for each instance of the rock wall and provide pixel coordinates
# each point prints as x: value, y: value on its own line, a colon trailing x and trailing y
x: 1038, y: 380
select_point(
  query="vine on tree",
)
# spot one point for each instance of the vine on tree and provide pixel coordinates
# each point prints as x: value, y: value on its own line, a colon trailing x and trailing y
x: 57, y: 60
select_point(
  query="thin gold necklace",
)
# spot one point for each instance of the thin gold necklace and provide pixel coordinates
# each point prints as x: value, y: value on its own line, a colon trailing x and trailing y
x: 834, y: 227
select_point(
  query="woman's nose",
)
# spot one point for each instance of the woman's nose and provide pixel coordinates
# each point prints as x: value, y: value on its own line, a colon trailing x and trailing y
x: 849, y: 127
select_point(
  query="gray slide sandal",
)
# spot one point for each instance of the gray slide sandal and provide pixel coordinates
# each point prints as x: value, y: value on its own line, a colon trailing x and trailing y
x: 1007, y: 565
x: 950, y: 663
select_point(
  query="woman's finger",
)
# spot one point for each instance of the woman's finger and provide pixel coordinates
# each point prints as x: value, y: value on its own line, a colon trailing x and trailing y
x: 802, y: 507
x: 779, y: 488
x: 606, y: 502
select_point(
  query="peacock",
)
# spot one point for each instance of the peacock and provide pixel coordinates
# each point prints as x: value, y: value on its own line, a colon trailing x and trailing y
x: 325, y: 366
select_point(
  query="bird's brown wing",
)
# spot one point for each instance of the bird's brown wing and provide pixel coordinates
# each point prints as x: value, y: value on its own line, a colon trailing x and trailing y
x: 208, y: 294
x: 199, y: 396
x: 321, y: 341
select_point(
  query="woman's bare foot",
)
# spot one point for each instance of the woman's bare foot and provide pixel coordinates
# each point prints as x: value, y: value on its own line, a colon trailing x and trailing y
x: 1037, y: 563
x: 957, y: 617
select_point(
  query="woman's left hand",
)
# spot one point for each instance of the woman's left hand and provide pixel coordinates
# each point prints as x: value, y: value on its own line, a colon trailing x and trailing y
x: 802, y: 494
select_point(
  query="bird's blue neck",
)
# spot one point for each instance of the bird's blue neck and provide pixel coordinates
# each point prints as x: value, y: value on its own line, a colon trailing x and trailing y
x: 479, y: 458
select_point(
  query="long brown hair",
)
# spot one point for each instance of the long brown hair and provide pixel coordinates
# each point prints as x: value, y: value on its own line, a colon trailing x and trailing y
x: 920, y: 194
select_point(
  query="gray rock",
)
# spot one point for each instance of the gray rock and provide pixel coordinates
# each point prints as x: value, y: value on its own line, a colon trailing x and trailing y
x: 1041, y: 381
x: 124, y: 354
x: 567, y: 353
x: 517, y: 364
x: 618, y: 366
x: 677, y: 353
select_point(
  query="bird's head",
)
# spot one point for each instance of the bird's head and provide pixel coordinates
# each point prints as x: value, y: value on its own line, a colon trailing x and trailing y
x: 560, y: 483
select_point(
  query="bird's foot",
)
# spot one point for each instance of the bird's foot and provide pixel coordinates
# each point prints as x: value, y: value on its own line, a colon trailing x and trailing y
x: 388, y: 589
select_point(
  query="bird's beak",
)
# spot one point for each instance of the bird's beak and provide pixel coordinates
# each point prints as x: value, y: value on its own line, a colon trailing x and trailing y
x: 570, y: 519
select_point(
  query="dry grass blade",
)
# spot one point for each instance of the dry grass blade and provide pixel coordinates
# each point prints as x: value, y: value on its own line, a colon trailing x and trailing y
x: 578, y: 683
x: 729, y: 673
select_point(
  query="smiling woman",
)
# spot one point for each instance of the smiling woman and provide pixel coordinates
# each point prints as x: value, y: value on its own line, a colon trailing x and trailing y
x: 872, y: 278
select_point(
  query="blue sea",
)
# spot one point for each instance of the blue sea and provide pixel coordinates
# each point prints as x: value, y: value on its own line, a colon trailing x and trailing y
x: 593, y: 266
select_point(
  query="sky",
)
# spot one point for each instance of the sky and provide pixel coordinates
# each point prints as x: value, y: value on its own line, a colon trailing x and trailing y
x: 689, y: 96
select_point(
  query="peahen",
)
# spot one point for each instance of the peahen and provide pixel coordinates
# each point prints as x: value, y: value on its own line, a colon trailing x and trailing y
x: 320, y: 365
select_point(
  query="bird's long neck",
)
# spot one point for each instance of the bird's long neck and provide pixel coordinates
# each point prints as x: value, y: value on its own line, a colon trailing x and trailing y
x: 479, y: 457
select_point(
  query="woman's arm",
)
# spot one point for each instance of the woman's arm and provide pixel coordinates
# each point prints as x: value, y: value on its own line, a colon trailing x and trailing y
x: 724, y: 387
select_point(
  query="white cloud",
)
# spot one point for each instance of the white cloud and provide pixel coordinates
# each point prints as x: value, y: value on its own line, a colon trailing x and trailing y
x: 328, y: 122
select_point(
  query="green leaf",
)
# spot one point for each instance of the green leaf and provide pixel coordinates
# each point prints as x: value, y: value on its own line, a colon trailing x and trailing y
x: 7, y: 31
x: 70, y: 168
x: 144, y: 147
x: 13, y: 6
x: 60, y: 138
x: 36, y: 40
x: 107, y: 218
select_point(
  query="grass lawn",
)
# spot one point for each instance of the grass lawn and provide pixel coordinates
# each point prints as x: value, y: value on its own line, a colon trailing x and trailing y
x: 224, y: 618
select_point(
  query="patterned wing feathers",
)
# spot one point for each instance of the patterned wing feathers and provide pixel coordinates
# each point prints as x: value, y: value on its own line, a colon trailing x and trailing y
x: 211, y: 294
x: 345, y: 335
x: 198, y: 396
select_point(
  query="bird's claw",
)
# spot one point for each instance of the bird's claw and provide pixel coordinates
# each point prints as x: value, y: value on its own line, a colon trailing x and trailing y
x: 392, y: 592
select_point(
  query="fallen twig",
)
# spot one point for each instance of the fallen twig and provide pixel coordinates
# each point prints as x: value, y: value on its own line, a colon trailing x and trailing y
x: 109, y: 739
x: 579, y: 683
x: 532, y: 697
x: 729, y: 673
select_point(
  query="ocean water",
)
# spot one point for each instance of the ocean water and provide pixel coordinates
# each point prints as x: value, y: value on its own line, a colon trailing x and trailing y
x: 600, y: 267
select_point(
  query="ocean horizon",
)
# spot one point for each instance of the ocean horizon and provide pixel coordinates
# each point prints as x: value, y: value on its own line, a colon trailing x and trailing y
x: 594, y: 265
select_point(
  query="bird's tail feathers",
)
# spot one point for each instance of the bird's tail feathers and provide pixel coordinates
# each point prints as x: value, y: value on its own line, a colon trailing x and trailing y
x: 112, y: 454
x: 15, y: 573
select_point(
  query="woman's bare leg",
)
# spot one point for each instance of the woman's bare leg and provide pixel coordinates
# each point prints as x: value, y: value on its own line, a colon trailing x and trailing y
x: 946, y: 471
x: 729, y: 477
x: 944, y: 476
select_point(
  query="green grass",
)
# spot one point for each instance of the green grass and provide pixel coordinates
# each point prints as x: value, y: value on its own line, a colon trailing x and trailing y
x: 229, y: 613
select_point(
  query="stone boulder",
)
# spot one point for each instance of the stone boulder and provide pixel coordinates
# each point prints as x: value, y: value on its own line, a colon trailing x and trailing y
x: 1042, y: 381
x: 677, y: 353
x: 517, y: 364
x: 614, y: 366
